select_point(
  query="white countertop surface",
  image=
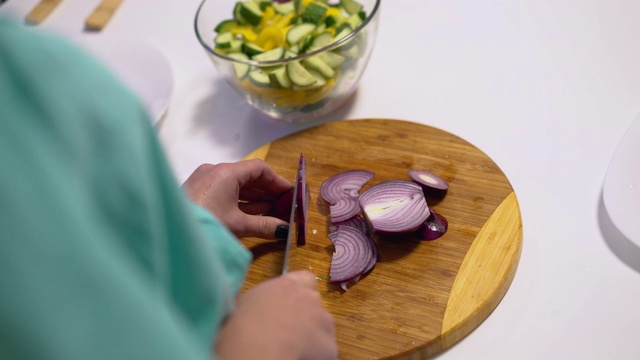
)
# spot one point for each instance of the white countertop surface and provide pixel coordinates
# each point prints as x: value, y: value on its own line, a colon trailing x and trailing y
x: 546, y: 88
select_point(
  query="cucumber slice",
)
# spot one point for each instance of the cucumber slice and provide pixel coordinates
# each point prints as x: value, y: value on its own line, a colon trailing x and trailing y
x: 259, y: 78
x: 240, y: 69
x: 225, y: 26
x: 251, y: 49
x: 317, y: 64
x: 320, y: 80
x: 321, y: 41
x: 250, y: 11
x: 298, y: 6
x: 274, y: 54
x: 223, y: 41
x: 351, y: 6
x: 297, y: 32
x: 306, y: 43
x: 299, y: 75
x: 236, y: 13
x: 314, y: 13
x: 332, y: 59
x: 279, y: 78
x: 330, y: 21
x: 236, y: 45
x: 354, y: 21
x: 264, y: 4
x: 284, y: 8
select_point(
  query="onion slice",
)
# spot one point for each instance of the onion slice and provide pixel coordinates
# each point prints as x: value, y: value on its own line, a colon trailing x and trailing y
x: 346, y: 183
x: 354, y: 222
x: 394, y: 206
x: 344, y: 209
x: 353, y: 255
x: 431, y: 184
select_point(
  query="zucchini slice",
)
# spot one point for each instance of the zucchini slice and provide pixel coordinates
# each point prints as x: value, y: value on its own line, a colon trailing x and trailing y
x: 297, y: 32
x: 274, y: 54
x: 351, y: 6
x: 279, y: 78
x: 240, y: 69
x: 299, y: 75
x: 259, y: 78
x: 250, y: 11
x: 317, y: 64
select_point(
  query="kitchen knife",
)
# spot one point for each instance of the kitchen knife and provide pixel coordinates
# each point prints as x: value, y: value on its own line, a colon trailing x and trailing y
x: 291, y: 242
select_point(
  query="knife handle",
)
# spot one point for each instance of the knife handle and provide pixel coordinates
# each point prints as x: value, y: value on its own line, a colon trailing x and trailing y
x: 41, y: 11
x: 101, y: 14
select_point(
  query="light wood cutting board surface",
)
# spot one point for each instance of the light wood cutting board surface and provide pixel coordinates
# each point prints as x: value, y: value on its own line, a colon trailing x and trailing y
x: 422, y: 296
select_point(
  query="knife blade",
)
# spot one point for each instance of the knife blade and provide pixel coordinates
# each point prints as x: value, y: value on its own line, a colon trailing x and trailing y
x: 291, y: 242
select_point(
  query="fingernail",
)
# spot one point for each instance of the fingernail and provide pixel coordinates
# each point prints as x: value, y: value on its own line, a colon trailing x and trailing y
x: 282, y: 231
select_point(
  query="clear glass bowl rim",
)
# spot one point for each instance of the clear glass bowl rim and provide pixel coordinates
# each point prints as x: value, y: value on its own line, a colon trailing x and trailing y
x: 329, y: 47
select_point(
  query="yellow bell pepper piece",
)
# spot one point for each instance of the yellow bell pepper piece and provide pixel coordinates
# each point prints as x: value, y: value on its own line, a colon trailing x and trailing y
x: 246, y: 31
x: 270, y: 37
x: 333, y: 11
x: 285, y: 21
x: 268, y: 13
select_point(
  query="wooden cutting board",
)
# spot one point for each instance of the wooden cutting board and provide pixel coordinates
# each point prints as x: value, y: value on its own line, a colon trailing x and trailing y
x: 422, y: 296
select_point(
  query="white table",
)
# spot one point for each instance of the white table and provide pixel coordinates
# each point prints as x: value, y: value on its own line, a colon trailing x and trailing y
x: 545, y: 88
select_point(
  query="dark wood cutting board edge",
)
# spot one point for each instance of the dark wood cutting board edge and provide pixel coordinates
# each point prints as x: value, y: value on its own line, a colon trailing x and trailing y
x: 422, y: 297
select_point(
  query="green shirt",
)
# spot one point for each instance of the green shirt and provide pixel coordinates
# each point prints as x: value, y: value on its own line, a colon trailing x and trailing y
x: 101, y: 253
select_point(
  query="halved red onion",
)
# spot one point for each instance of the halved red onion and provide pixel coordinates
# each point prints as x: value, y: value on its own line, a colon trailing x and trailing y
x: 434, y: 227
x: 431, y: 184
x: 344, y: 209
x: 394, y: 206
x: 353, y: 254
x: 346, y: 183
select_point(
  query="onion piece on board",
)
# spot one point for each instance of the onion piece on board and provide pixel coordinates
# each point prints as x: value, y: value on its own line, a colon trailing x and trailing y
x: 432, y: 184
x: 353, y: 255
x: 394, y: 206
x: 434, y: 227
x: 344, y: 209
x: 346, y: 183
x: 302, y: 202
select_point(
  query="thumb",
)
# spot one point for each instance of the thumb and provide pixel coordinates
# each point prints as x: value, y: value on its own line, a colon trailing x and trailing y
x: 265, y: 227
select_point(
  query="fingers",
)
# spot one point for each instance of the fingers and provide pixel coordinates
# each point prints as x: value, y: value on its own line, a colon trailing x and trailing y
x: 303, y: 278
x: 265, y: 227
x: 258, y: 174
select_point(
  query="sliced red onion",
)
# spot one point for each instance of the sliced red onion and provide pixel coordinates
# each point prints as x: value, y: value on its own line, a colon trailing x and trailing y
x: 394, y: 206
x: 344, y: 209
x: 355, y: 222
x: 434, y: 227
x: 431, y: 184
x: 346, y: 183
x: 353, y: 254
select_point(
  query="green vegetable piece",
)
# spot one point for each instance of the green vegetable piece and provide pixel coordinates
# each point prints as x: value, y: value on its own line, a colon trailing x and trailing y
x: 314, y: 13
x: 273, y: 54
x: 330, y: 21
x: 354, y: 21
x: 317, y: 64
x: 332, y: 59
x: 284, y: 8
x: 240, y: 69
x: 250, y: 11
x: 351, y: 6
x: 225, y: 26
x: 299, y: 75
x: 297, y: 32
x: 264, y: 4
x: 259, y: 78
x: 362, y: 14
x: 223, y: 41
x: 251, y: 49
x: 236, y: 13
x: 279, y: 78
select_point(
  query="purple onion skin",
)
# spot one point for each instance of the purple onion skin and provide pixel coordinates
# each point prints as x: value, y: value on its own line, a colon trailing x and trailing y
x: 437, y: 189
x: 434, y: 227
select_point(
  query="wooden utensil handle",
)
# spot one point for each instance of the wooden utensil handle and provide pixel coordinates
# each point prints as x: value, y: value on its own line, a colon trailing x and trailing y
x: 101, y: 14
x: 41, y: 11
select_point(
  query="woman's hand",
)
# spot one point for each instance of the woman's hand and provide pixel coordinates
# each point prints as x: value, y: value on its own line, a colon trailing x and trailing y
x: 237, y: 193
x: 282, y: 319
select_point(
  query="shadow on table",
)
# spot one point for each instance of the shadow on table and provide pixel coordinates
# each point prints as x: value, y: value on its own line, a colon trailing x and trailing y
x: 621, y: 246
x: 233, y: 123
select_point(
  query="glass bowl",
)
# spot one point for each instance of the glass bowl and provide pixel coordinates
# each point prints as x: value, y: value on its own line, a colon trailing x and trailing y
x: 321, y: 62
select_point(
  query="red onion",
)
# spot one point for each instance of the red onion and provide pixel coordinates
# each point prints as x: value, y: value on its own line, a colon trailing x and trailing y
x: 434, y: 227
x: 394, y: 206
x: 354, y: 222
x: 282, y: 206
x: 353, y: 255
x: 344, y: 209
x: 431, y: 184
x: 346, y: 183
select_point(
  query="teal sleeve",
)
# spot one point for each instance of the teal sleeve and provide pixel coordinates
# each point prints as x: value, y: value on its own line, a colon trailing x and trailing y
x: 102, y: 256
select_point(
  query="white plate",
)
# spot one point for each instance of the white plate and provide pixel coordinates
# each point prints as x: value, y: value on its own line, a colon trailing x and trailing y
x: 621, y: 190
x: 140, y: 66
